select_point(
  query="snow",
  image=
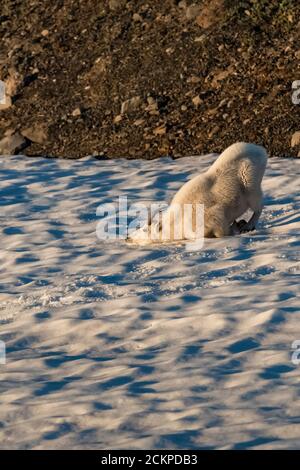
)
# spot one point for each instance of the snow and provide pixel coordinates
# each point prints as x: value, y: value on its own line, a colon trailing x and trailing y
x: 117, y: 346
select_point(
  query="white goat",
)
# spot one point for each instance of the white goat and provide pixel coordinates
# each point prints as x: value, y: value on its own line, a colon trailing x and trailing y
x: 230, y: 187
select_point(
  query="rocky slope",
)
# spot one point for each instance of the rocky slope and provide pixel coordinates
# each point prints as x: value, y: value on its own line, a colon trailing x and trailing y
x: 148, y: 78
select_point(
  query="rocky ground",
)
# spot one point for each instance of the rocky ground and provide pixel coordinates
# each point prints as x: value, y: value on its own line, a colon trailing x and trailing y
x: 144, y: 79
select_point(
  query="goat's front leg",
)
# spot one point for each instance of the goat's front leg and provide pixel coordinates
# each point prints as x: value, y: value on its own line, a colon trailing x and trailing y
x: 244, y: 226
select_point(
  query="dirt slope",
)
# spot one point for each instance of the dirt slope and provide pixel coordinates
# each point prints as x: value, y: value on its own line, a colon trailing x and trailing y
x: 149, y: 78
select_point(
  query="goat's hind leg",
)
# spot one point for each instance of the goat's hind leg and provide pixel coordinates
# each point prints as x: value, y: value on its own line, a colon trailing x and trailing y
x: 256, y: 204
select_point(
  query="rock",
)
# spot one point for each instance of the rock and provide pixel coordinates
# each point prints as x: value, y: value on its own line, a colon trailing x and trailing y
x: 214, y: 131
x: 193, y: 79
x: 192, y: 11
x: 45, y: 32
x: 170, y: 50
x: 8, y: 89
x: 295, y: 139
x: 12, y: 144
x: 197, y: 100
x: 297, y: 54
x: 221, y: 75
x: 36, y: 134
x: 139, y: 122
x: 115, y: 5
x: 76, y: 112
x: 151, y: 100
x: 118, y: 119
x: 2, y: 91
x: 131, y: 105
x: 211, y: 12
x: 5, y: 101
x: 9, y: 132
x: 152, y: 107
x: 11, y: 83
x: 160, y: 130
x: 182, y: 4
x: 212, y: 111
x: 137, y: 17
x: 200, y: 38
x: 164, y: 148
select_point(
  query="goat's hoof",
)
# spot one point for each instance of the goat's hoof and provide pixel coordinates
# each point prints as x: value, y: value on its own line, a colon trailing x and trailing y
x: 244, y: 227
x: 242, y: 224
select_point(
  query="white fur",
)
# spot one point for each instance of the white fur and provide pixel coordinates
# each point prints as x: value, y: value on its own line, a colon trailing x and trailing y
x: 230, y: 187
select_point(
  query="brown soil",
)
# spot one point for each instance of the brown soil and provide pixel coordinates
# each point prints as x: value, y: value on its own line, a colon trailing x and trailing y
x: 188, y: 78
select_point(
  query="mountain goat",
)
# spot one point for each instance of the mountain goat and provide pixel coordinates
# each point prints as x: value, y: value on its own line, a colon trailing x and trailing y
x: 230, y: 187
